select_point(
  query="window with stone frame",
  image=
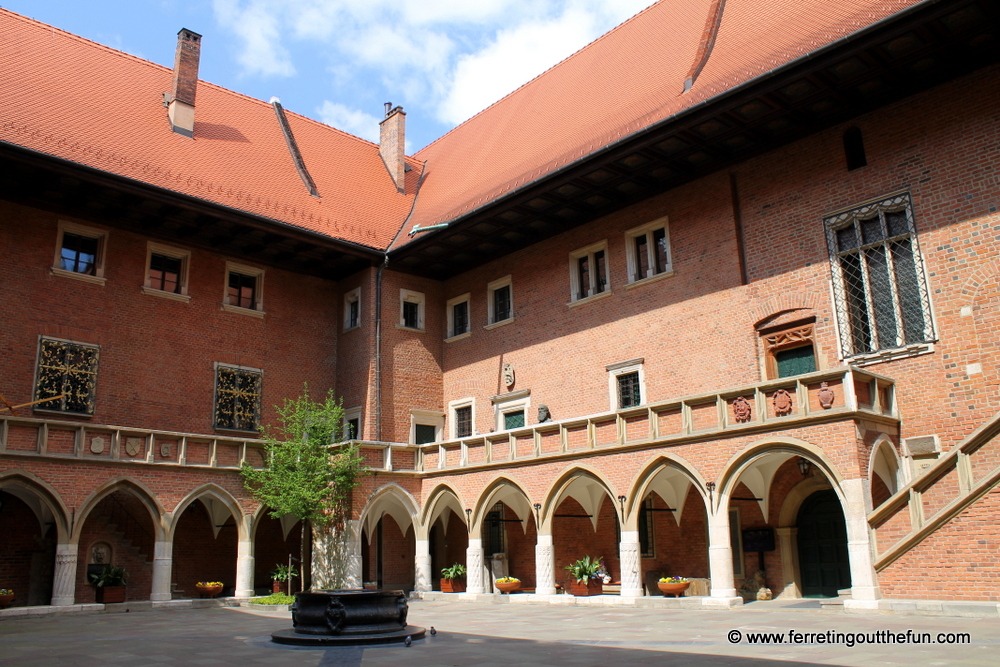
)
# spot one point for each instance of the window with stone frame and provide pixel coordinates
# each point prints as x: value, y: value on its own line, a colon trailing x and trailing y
x: 588, y: 271
x: 647, y: 251
x: 629, y: 394
x: 237, y: 398
x: 459, y: 323
x: 878, y: 278
x: 789, y: 349
x: 80, y: 252
x: 67, y: 375
x: 626, y: 384
x: 244, y: 290
x: 463, y: 422
x: 501, y: 301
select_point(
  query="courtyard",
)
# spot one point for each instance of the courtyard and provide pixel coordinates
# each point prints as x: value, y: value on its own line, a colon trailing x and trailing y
x: 486, y: 635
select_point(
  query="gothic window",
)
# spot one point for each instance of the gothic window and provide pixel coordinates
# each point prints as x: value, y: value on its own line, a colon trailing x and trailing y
x: 789, y: 350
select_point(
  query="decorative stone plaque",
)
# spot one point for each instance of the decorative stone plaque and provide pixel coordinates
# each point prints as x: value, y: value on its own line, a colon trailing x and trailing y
x: 97, y: 444
x: 782, y: 402
x: 165, y: 449
x: 508, y: 375
x: 133, y: 446
x: 826, y: 396
x: 742, y: 410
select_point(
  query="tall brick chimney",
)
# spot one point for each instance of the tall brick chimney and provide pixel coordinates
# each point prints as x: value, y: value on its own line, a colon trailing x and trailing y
x: 180, y: 109
x: 392, y: 136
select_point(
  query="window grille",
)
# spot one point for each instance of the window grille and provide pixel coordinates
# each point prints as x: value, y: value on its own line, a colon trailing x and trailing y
x: 69, y: 369
x: 463, y: 422
x: 629, y: 394
x: 878, y: 277
x: 237, y: 398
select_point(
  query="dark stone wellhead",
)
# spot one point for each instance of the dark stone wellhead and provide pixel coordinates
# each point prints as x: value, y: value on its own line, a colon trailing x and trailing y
x: 348, y: 617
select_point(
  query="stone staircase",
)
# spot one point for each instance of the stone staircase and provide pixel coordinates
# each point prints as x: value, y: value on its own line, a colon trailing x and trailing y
x: 957, y: 480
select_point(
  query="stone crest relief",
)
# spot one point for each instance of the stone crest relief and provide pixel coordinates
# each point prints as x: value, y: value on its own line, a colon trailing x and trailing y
x: 133, y: 446
x: 508, y: 375
x: 97, y: 444
x: 782, y: 402
x: 826, y: 396
x: 742, y: 410
x: 165, y: 449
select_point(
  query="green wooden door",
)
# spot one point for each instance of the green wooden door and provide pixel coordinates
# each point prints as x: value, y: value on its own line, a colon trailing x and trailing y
x: 796, y: 361
x: 822, y: 535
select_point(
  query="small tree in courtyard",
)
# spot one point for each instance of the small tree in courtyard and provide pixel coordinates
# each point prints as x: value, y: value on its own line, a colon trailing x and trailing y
x: 306, y: 474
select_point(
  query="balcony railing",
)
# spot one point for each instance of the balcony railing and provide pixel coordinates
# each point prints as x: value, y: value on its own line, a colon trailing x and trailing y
x: 776, y: 404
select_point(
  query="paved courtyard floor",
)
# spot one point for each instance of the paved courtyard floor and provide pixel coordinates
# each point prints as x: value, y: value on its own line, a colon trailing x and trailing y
x: 498, y: 635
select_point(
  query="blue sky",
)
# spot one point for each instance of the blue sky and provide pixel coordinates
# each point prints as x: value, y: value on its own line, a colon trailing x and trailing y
x: 338, y: 61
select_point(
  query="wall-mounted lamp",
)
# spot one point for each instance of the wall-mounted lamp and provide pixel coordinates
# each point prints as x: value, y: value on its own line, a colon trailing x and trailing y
x: 711, y: 489
x: 468, y: 519
x: 621, y: 500
x: 538, y: 507
x: 804, y: 465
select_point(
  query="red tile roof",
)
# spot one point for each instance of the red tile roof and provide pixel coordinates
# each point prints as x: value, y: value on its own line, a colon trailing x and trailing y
x: 74, y: 99
x: 71, y: 98
x: 627, y: 80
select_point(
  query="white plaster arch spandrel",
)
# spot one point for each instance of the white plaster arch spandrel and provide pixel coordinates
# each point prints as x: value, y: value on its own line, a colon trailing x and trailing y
x: 506, y: 490
x: 157, y: 514
x: 585, y: 485
x: 41, y: 497
x: 671, y: 477
x: 397, y: 502
x: 440, y: 500
x: 220, y: 504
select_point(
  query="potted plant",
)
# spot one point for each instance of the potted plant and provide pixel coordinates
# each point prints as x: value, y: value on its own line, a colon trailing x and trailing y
x: 282, y: 575
x: 585, y: 577
x: 508, y: 584
x: 6, y: 597
x: 453, y: 579
x: 209, y: 589
x: 110, y: 584
x: 673, y: 586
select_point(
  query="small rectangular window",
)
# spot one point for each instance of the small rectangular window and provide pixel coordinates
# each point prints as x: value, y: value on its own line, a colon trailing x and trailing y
x: 648, y: 251
x: 165, y: 273
x: 237, y: 398
x: 458, y: 315
x: 588, y: 271
x: 629, y: 395
x: 647, y: 542
x: 463, y: 422
x: 67, y: 374
x: 80, y: 252
x: 411, y: 309
x: 244, y: 290
x: 424, y: 433
x: 353, y: 429
x: 352, y: 309
x: 501, y: 303
x: 513, y: 419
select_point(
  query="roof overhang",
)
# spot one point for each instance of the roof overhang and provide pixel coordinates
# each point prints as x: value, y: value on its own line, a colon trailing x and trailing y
x: 74, y: 190
x: 909, y: 52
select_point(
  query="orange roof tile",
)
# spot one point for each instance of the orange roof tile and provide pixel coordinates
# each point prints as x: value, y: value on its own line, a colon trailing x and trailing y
x: 625, y: 81
x: 74, y: 99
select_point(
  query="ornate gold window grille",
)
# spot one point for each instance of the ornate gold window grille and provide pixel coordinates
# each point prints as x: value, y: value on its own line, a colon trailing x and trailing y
x: 70, y: 370
x: 237, y: 398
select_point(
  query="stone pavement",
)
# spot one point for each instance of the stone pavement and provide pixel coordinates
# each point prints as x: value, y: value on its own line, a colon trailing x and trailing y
x: 486, y: 635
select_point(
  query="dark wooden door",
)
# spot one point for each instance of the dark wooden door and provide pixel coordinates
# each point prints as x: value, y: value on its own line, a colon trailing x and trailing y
x: 823, y: 561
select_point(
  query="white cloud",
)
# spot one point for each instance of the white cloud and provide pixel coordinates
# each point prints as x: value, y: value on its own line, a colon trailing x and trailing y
x: 255, y: 25
x: 349, y: 119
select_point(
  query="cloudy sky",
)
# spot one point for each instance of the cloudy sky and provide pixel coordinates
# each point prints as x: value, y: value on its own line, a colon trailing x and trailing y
x: 339, y: 60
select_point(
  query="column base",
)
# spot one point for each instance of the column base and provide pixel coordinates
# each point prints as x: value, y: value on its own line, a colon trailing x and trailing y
x: 64, y: 602
x: 860, y: 605
x: 632, y: 593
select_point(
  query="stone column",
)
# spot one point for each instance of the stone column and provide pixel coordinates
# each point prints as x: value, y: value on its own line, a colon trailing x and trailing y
x: 352, y: 557
x: 545, y: 575
x: 64, y: 577
x: 720, y: 560
x: 244, y: 569
x: 422, y: 574
x: 788, y: 546
x: 628, y: 556
x: 163, y: 565
x: 474, y: 565
x: 865, y: 590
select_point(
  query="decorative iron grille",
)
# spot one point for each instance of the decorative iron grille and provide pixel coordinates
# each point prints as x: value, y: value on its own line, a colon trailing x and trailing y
x: 629, y: 395
x: 237, y: 398
x: 878, y: 277
x: 69, y: 370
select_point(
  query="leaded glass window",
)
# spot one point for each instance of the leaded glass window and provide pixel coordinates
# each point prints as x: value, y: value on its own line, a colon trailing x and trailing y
x: 67, y: 373
x: 629, y: 394
x: 237, y: 398
x: 878, y: 277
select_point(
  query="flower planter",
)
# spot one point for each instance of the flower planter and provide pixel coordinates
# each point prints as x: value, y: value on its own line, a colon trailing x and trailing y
x: 277, y: 586
x: 453, y: 585
x: 583, y: 589
x: 508, y: 587
x: 110, y: 594
x: 5, y: 600
x: 673, y: 589
x: 208, y: 591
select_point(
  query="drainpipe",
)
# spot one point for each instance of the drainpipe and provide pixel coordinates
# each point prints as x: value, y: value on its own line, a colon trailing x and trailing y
x: 378, y: 348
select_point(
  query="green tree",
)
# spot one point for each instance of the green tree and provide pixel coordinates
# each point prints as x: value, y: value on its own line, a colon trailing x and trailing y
x: 306, y: 473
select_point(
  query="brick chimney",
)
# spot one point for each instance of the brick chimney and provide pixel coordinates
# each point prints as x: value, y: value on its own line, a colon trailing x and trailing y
x: 391, y: 140
x: 180, y: 107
